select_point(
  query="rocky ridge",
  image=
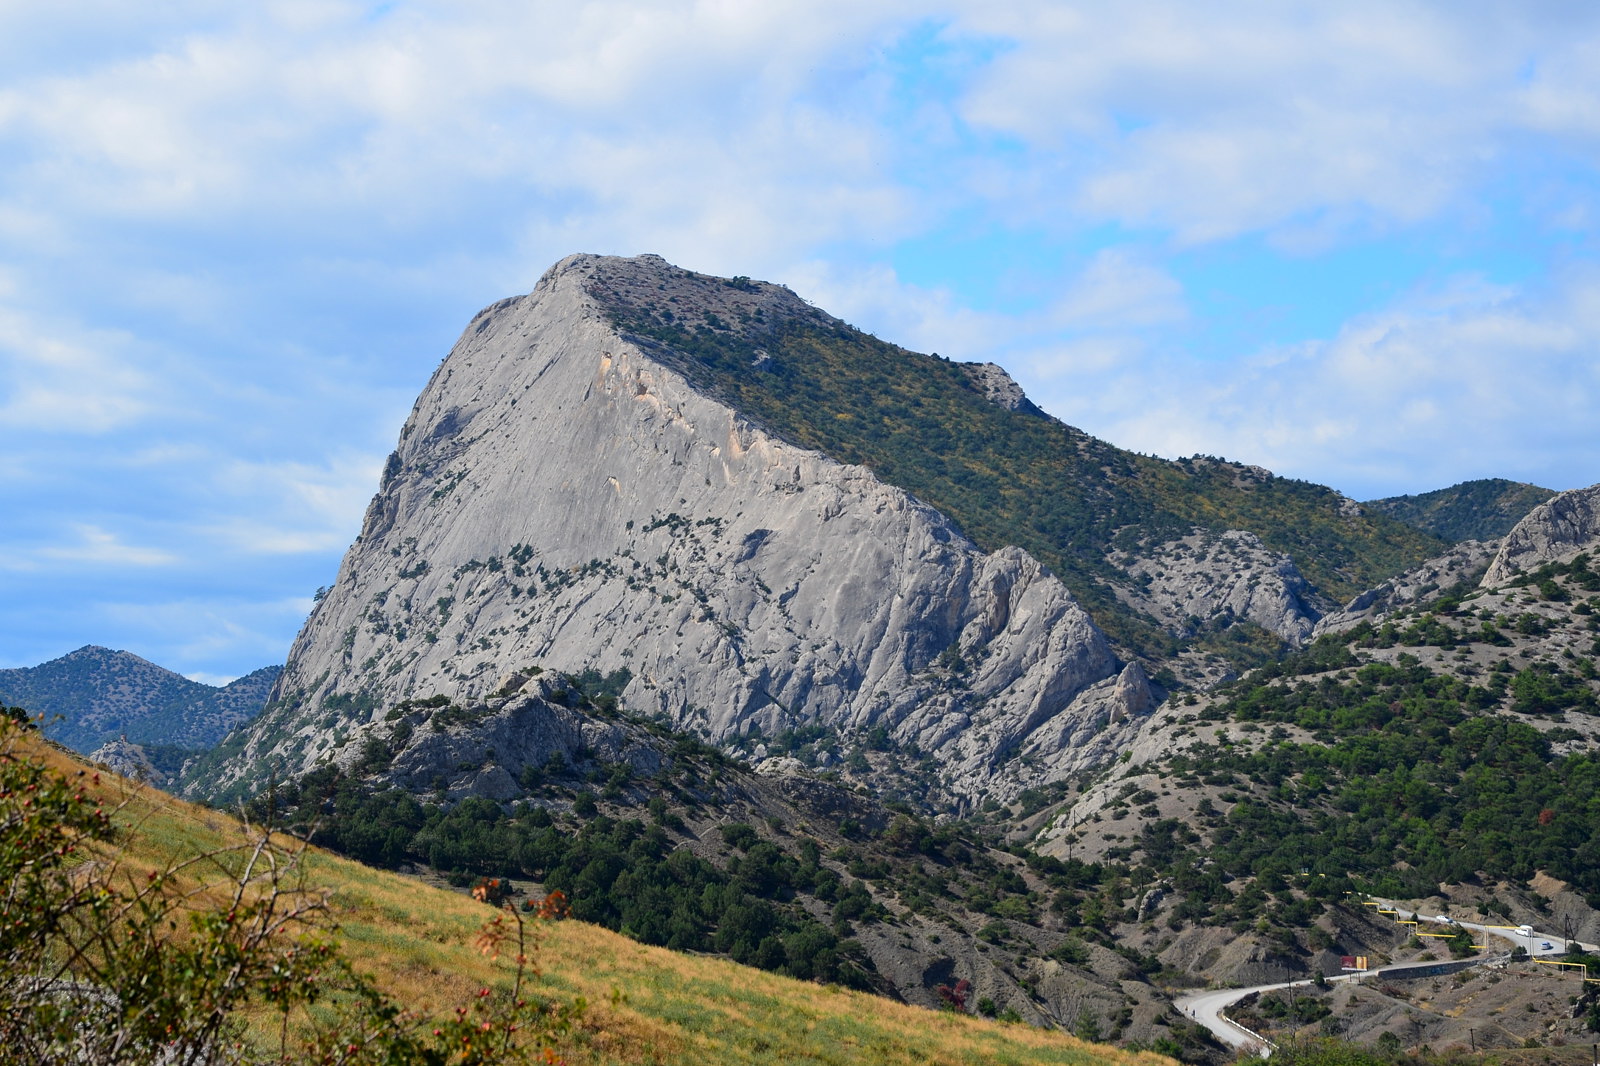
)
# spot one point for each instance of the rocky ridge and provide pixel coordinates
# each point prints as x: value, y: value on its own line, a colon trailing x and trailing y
x: 1554, y: 531
x: 1530, y: 646
x: 1497, y: 622
x: 562, y: 498
x: 1463, y: 563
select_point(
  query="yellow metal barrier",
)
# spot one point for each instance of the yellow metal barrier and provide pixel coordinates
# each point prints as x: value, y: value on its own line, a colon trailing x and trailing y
x: 1416, y: 927
x: 1580, y: 967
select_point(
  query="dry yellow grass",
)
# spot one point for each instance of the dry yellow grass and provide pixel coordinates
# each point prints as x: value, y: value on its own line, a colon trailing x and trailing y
x: 645, y: 1004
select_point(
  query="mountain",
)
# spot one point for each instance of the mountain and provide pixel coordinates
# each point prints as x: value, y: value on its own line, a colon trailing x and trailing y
x: 1473, y: 510
x: 775, y: 522
x: 684, y: 596
x: 561, y: 499
x: 1446, y: 747
x: 101, y: 695
x: 963, y: 439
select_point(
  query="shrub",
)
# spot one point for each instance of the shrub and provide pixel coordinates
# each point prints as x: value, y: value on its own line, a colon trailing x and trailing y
x: 100, y: 963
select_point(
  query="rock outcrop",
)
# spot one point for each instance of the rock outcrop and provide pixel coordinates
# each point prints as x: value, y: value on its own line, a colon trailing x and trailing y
x: 128, y: 759
x: 1463, y: 563
x: 1189, y: 582
x: 1000, y: 388
x: 1554, y: 531
x: 562, y: 498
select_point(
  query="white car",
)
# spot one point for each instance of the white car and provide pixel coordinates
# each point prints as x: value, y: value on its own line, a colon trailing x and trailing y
x: 1545, y: 945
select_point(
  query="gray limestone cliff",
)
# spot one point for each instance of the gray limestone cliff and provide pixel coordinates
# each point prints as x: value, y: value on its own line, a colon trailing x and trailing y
x: 1554, y: 531
x: 562, y: 498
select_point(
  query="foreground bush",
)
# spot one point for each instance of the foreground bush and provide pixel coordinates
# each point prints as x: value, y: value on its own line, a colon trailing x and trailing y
x: 104, y: 964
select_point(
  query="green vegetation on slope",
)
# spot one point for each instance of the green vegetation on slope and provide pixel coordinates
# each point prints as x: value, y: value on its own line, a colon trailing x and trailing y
x: 1005, y: 476
x: 110, y: 958
x: 1404, y: 768
x: 1472, y: 510
x: 1394, y: 776
x: 623, y: 874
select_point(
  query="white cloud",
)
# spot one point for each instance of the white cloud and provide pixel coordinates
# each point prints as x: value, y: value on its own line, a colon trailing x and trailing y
x: 296, y: 507
x: 1117, y: 296
x: 1220, y: 119
x: 1463, y: 381
x: 199, y: 635
x: 666, y: 109
x: 61, y: 378
x: 227, y: 227
x: 875, y: 299
x: 1119, y: 290
x: 100, y: 547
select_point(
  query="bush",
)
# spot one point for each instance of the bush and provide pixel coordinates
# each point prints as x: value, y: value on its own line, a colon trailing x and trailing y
x: 100, y: 963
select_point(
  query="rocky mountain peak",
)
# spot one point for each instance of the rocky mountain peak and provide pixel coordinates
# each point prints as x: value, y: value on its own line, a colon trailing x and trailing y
x: 563, y: 497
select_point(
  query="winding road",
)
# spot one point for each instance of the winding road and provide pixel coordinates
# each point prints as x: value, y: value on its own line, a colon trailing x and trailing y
x: 1208, y: 1007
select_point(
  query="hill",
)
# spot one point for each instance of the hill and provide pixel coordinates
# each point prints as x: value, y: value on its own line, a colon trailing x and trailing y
x: 1473, y: 510
x: 1443, y: 754
x: 100, y: 695
x: 673, y: 842
x: 627, y: 1003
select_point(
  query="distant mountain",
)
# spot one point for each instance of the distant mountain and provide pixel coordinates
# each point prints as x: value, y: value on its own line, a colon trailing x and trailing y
x: 1473, y: 510
x: 101, y: 695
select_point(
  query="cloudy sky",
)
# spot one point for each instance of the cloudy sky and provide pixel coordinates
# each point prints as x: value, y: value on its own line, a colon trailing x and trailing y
x: 1353, y: 242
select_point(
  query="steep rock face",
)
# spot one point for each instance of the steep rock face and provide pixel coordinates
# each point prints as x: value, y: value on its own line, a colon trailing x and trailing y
x: 1554, y: 531
x: 1187, y: 582
x: 1464, y: 562
x: 561, y: 498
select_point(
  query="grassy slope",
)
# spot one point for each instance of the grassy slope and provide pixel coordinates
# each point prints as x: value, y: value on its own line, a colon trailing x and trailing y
x: 646, y: 1005
x: 1006, y: 477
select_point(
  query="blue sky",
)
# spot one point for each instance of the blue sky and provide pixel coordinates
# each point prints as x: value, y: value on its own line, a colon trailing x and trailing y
x: 1353, y: 243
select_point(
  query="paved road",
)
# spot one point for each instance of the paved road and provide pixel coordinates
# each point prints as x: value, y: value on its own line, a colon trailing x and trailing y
x: 1207, y: 1007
